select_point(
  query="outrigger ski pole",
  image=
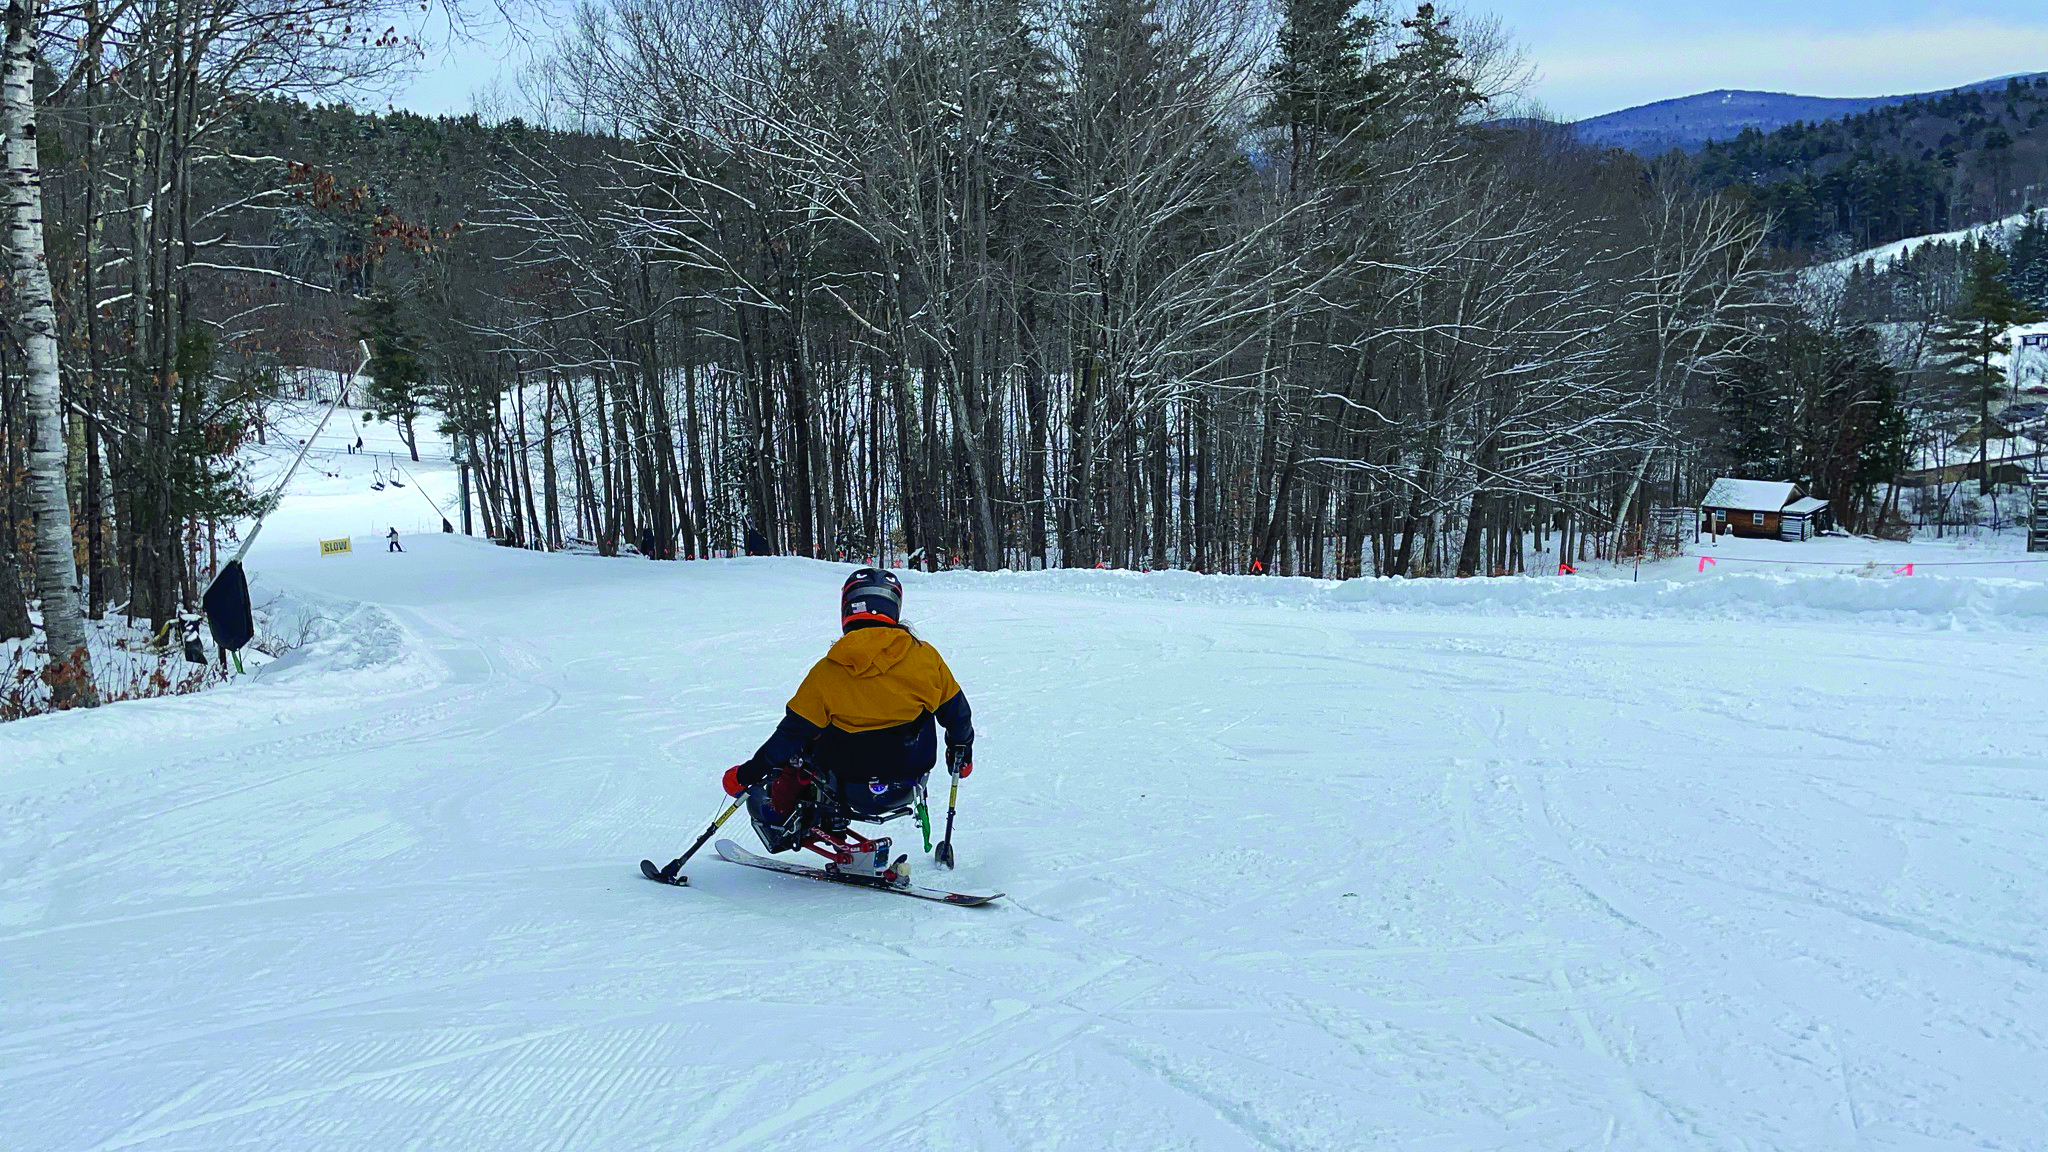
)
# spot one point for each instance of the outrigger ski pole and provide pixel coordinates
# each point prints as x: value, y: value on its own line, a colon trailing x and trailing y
x: 672, y: 873
x: 943, y: 854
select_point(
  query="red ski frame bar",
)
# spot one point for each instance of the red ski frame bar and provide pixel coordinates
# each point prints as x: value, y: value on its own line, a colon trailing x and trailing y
x: 841, y: 851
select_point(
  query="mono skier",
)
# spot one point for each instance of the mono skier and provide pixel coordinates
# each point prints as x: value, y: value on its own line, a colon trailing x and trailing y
x: 859, y: 738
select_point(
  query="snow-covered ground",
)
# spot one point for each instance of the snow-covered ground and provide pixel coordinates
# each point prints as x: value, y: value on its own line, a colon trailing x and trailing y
x: 1997, y: 231
x: 1737, y: 859
x: 1991, y: 556
x: 333, y: 495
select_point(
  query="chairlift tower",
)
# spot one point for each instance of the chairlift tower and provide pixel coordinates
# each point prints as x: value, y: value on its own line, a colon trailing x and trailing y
x: 2037, y: 521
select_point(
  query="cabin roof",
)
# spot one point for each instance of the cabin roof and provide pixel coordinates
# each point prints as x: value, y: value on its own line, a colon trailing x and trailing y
x: 1805, y: 506
x: 1751, y: 495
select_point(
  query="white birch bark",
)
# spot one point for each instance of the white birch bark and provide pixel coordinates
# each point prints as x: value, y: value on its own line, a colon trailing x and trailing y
x: 34, y: 321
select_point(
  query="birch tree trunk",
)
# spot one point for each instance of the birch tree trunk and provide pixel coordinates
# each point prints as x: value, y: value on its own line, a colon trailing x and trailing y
x: 34, y: 321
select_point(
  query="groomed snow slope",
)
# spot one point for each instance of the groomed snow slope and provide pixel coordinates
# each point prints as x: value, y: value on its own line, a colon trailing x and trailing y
x: 1290, y: 867
x: 332, y: 495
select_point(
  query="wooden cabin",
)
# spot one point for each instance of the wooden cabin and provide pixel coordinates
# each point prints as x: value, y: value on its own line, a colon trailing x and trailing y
x: 1766, y: 509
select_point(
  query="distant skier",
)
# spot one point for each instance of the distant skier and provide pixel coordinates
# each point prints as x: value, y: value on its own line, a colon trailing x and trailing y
x: 393, y: 544
x: 858, y: 738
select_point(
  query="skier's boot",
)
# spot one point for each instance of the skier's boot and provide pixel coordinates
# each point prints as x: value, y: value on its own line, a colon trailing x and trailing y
x: 871, y: 861
x: 898, y: 875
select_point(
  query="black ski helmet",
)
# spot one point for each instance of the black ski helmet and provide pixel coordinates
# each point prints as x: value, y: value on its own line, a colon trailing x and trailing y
x: 870, y: 594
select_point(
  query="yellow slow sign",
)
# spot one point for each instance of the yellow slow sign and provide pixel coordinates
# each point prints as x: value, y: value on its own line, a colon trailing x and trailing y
x: 335, y: 547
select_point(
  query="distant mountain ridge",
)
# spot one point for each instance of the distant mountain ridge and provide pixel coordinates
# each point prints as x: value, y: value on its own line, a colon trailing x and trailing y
x: 1688, y: 123
x: 1924, y: 165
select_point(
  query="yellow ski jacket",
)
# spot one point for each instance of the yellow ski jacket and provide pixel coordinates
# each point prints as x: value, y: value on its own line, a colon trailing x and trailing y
x: 867, y: 709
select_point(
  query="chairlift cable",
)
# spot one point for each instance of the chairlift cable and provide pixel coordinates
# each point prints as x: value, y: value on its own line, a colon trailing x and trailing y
x: 249, y: 541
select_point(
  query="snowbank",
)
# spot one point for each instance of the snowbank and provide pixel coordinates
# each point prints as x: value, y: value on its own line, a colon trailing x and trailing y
x: 330, y: 655
x: 1929, y: 601
x: 1924, y: 601
x: 1173, y: 584
x: 356, y: 648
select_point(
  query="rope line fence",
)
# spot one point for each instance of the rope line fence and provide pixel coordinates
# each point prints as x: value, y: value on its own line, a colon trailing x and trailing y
x: 1902, y: 569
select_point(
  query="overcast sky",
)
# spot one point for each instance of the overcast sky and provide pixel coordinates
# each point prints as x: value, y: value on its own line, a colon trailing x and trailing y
x: 1592, y: 57
x: 1600, y: 57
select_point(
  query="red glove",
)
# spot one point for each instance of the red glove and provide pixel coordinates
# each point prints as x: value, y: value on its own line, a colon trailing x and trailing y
x: 733, y: 787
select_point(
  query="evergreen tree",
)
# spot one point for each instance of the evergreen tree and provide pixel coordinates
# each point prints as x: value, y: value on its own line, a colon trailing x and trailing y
x: 1321, y: 81
x: 1854, y: 428
x: 1887, y: 444
x: 1820, y: 406
x: 1928, y: 164
x: 1967, y: 344
x: 398, y: 376
x: 2027, y: 263
x: 1751, y: 411
x: 1426, y: 73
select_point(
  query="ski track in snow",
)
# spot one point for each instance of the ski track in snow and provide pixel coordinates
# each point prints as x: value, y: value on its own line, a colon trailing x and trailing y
x: 1288, y: 870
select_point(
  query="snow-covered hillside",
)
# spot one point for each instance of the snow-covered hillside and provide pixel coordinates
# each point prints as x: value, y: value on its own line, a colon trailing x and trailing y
x: 342, y: 493
x: 1997, y: 231
x: 1735, y: 859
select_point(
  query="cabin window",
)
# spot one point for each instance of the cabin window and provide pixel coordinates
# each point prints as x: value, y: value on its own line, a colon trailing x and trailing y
x: 1757, y: 518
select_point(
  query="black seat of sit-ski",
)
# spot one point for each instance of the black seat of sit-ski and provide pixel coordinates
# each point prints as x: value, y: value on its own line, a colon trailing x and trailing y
x: 864, y: 803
